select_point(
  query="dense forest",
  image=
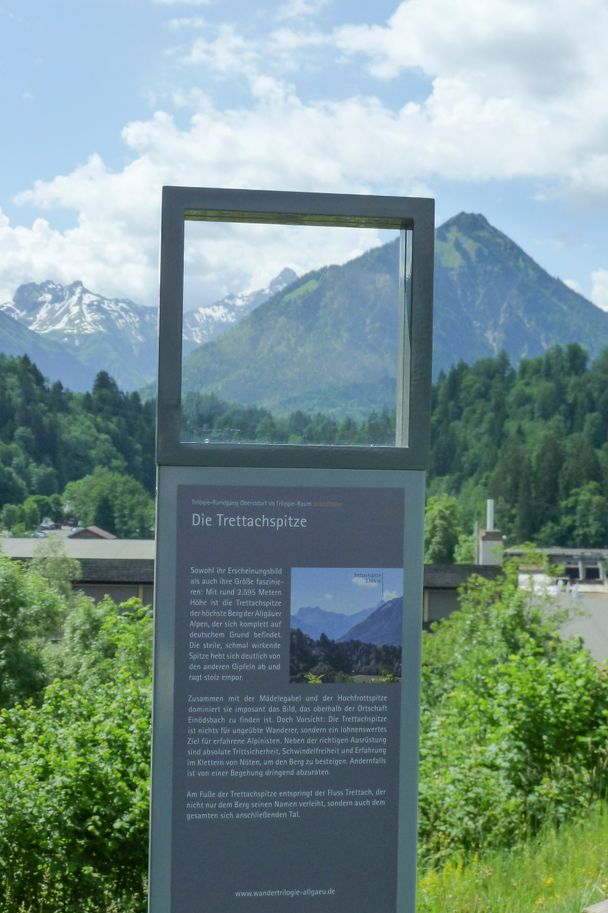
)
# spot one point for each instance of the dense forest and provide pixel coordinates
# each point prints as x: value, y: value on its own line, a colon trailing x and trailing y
x: 80, y: 457
x: 326, y: 660
x: 533, y: 437
x: 208, y: 418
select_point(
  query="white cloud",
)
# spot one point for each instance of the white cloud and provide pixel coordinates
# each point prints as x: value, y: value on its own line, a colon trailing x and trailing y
x: 521, y: 88
x: 574, y: 285
x: 280, y: 142
x: 390, y: 594
x: 517, y: 47
x: 183, y: 2
x: 225, y: 258
x: 285, y: 40
x: 12, y: 16
x: 110, y: 248
x: 298, y: 9
x: 586, y: 181
x: 186, y: 22
x: 113, y: 248
x: 599, y: 289
x: 225, y: 54
x: 193, y: 99
x: 516, y: 90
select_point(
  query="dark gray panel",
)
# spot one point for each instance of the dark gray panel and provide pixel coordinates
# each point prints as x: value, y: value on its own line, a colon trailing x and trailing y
x: 335, y: 851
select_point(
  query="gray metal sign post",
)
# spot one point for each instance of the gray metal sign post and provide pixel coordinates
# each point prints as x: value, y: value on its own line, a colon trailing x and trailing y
x: 274, y: 788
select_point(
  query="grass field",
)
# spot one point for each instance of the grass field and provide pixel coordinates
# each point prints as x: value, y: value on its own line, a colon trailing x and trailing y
x: 560, y: 871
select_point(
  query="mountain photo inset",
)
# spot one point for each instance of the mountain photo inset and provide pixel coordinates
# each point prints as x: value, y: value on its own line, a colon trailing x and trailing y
x: 346, y: 624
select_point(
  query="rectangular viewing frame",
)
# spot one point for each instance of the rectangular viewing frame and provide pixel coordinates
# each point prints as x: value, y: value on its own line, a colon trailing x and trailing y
x: 411, y: 218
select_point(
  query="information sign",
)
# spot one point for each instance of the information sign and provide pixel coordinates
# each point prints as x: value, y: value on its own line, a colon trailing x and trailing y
x: 292, y: 766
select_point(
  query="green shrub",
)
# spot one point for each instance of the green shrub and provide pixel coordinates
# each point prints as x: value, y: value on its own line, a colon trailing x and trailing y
x: 74, y: 765
x: 514, y: 734
x: 31, y: 611
x: 74, y: 799
x: 514, y: 722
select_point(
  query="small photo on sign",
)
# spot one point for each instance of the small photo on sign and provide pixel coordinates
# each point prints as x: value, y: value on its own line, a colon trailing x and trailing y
x: 346, y: 625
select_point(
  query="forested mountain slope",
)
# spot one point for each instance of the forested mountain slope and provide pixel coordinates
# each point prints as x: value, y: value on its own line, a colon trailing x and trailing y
x: 49, y: 354
x: 329, y: 341
x: 491, y: 297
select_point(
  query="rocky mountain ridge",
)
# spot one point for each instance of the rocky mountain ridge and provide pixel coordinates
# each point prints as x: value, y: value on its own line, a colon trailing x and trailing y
x: 207, y: 322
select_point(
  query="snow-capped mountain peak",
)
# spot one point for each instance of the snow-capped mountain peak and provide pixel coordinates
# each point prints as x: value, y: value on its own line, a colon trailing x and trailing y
x: 110, y: 333
x: 115, y: 333
x: 71, y: 311
x: 209, y: 321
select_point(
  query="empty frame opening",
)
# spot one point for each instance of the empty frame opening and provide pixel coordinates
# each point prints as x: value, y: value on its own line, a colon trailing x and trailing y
x: 295, y: 333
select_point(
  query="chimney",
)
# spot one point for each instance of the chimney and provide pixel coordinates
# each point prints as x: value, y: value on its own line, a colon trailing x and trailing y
x: 490, y: 515
x: 490, y: 544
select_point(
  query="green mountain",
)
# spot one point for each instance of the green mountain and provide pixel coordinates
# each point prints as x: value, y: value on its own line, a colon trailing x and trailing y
x: 329, y: 340
x: 320, y: 344
x: 490, y: 296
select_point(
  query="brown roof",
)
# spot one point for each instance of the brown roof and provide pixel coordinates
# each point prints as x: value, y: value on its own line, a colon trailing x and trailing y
x: 92, y: 532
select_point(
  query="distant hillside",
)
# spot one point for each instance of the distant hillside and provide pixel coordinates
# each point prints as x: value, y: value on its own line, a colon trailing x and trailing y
x: 48, y: 354
x: 50, y: 436
x: 320, y: 345
x: 314, y: 621
x: 382, y: 627
x: 534, y: 438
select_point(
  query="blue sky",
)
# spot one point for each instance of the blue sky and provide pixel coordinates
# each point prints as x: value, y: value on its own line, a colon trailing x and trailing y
x: 344, y: 590
x: 492, y: 106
